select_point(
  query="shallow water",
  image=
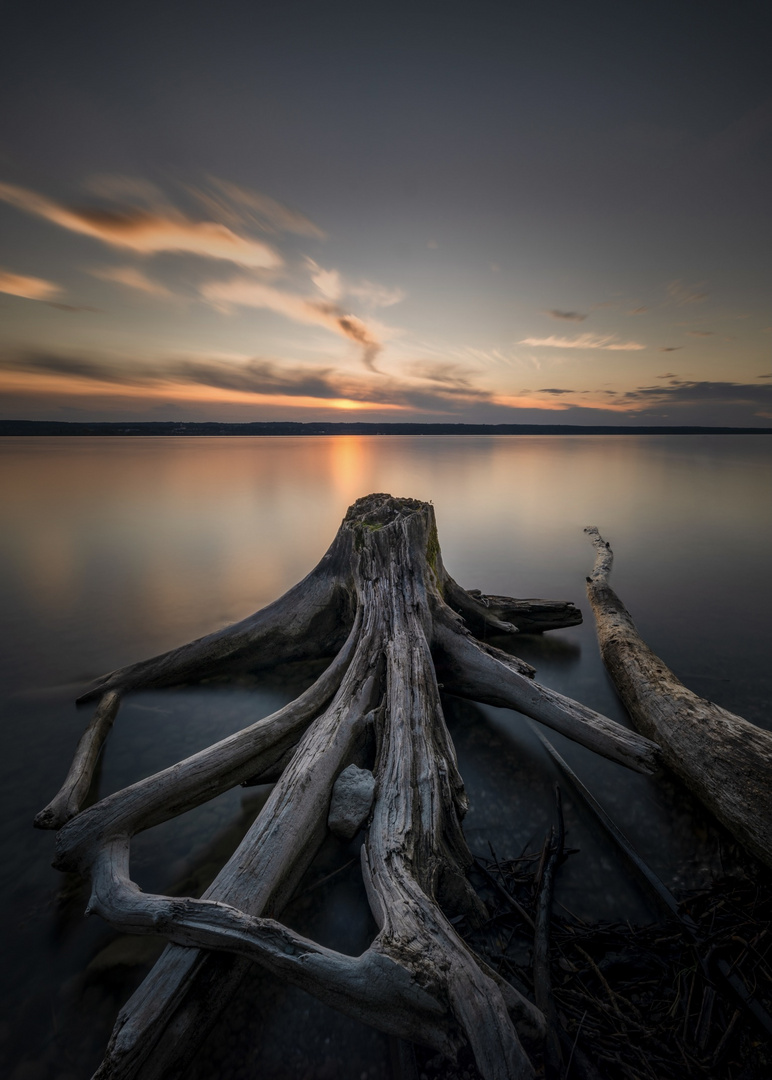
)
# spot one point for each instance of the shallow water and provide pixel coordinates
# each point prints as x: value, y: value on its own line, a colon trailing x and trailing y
x: 115, y: 549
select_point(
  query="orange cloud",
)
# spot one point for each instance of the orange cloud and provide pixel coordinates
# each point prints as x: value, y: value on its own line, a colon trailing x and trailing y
x: 147, y: 231
x: 62, y: 386
x: 30, y: 288
x: 132, y: 279
x: 249, y: 293
x: 584, y: 341
x: 525, y: 401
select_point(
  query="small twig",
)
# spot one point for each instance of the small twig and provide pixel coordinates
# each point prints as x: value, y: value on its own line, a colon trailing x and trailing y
x: 542, y: 981
x: 725, y: 1038
x: 706, y: 1015
x: 507, y: 896
x: 323, y: 881
x: 573, y: 1047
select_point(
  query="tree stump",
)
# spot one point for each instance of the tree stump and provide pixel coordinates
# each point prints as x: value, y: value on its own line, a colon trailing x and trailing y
x: 381, y: 602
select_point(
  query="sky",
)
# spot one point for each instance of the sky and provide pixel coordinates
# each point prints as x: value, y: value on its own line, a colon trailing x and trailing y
x: 451, y: 212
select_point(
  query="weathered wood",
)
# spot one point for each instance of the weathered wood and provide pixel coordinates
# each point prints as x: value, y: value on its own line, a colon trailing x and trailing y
x: 382, y: 603
x: 70, y: 798
x: 505, y: 614
x: 472, y: 670
x: 310, y: 620
x: 725, y: 761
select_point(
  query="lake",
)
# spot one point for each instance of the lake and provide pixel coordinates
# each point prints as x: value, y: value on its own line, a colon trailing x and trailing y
x: 118, y: 548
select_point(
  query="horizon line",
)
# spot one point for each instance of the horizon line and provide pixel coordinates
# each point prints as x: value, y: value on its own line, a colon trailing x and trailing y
x: 192, y: 428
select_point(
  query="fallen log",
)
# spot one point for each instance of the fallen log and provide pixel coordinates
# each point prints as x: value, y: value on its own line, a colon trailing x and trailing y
x: 725, y: 761
x: 382, y: 603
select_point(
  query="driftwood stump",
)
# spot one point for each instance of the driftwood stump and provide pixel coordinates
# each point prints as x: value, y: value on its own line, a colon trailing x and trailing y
x: 382, y: 605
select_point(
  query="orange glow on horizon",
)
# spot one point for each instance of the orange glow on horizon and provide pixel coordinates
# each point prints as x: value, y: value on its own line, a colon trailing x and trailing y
x: 49, y: 385
x: 39, y: 385
x: 562, y: 404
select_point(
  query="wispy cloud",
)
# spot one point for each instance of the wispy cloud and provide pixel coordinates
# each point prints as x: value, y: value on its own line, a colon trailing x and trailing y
x: 638, y: 311
x: 243, y: 207
x: 332, y: 284
x: 328, y: 282
x: 669, y: 348
x: 375, y: 295
x: 30, y: 288
x: 446, y: 373
x: 132, y: 278
x: 250, y: 293
x: 700, y: 333
x: 568, y: 316
x: 584, y: 341
x: 681, y: 294
x: 147, y: 231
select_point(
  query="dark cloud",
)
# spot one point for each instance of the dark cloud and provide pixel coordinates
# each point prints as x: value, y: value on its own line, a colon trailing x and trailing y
x: 77, y: 367
x: 252, y: 377
x: 683, y: 392
x: 353, y: 328
x: 441, y: 391
x: 700, y: 333
x: 568, y: 316
x: 638, y: 310
x: 669, y: 348
x: 70, y: 307
x: 256, y: 376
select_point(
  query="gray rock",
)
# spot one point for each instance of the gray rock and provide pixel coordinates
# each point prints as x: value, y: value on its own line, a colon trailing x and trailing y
x: 352, y: 798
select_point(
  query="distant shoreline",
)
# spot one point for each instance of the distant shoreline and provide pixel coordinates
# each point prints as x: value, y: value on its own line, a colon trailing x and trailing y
x: 285, y: 428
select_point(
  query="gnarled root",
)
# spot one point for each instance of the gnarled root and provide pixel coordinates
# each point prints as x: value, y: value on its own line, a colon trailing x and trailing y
x: 382, y: 602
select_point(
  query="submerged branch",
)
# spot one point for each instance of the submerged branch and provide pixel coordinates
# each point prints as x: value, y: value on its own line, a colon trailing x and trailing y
x: 474, y: 672
x: 70, y: 798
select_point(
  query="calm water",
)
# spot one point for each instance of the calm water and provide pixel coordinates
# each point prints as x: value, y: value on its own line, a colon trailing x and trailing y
x: 115, y: 549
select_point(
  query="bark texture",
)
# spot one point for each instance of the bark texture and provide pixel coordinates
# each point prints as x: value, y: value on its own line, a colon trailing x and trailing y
x: 380, y: 603
x: 725, y: 761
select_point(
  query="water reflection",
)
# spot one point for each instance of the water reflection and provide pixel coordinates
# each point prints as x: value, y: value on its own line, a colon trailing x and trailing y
x: 118, y: 548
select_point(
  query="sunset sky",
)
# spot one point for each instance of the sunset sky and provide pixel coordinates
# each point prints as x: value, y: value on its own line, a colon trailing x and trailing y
x: 475, y: 212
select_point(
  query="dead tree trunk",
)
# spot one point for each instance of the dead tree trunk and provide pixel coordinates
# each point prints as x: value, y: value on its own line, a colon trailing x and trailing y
x: 725, y: 761
x: 382, y: 602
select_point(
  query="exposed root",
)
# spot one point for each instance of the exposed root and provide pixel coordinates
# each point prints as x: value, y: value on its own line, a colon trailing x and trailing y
x: 381, y: 603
